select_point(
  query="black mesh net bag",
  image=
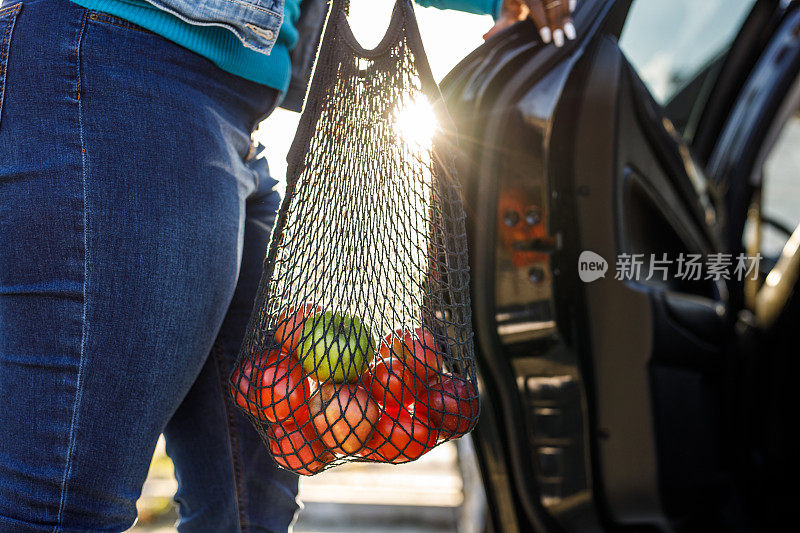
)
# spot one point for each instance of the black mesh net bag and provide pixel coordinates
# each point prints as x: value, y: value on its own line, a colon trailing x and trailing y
x: 360, y: 344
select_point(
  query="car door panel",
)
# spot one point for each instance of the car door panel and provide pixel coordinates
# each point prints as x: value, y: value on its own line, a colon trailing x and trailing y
x: 626, y: 453
x: 583, y: 376
x: 552, y: 393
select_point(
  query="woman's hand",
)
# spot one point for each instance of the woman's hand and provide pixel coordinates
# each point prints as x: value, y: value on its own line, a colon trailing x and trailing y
x: 552, y: 17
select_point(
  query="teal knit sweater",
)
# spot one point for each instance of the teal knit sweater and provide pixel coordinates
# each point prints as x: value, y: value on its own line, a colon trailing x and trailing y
x: 223, y: 47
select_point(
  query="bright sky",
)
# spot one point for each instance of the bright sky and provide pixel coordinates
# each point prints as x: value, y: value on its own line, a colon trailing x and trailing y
x: 448, y: 36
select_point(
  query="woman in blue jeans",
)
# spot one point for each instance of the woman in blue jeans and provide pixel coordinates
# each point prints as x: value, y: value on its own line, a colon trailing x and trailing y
x: 134, y: 218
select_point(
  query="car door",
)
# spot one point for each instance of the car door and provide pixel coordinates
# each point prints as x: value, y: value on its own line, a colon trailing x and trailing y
x: 606, y: 363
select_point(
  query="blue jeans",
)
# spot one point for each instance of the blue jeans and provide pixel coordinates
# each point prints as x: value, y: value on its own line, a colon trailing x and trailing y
x: 134, y: 220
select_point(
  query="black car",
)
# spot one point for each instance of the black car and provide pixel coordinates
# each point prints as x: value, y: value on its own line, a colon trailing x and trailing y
x: 667, y: 130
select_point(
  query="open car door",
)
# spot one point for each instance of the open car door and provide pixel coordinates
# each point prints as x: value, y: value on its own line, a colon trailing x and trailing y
x: 606, y: 358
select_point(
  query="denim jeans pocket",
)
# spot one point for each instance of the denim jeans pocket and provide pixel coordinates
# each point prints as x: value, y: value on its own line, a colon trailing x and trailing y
x: 8, y: 16
x: 99, y: 16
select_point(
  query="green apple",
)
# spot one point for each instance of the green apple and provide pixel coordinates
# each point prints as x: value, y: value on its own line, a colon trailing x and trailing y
x: 335, y: 345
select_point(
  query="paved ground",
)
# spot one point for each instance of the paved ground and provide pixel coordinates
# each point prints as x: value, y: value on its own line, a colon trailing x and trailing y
x: 424, y: 496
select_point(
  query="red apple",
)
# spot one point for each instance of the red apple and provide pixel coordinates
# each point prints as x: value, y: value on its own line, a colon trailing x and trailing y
x: 284, y: 389
x: 417, y: 348
x: 391, y: 381
x: 299, y: 450
x: 399, y: 437
x: 245, y: 381
x: 289, y: 332
x: 420, y: 413
x: 452, y: 405
x: 344, y: 416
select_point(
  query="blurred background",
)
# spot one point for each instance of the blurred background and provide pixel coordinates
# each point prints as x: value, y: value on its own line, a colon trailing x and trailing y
x: 438, y: 493
x: 441, y: 491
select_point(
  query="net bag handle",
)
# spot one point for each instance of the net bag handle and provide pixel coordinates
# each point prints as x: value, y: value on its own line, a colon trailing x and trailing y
x: 341, y: 5
x: 337, y: 32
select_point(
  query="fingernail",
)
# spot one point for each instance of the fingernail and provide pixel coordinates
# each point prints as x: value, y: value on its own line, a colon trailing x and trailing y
x: 558, y: 38
x: 545, y: 34
x: 572, y: 4
x: 569, y: 30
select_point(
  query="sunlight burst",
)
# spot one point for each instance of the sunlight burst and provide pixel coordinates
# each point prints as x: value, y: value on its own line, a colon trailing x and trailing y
x: 415, y: 122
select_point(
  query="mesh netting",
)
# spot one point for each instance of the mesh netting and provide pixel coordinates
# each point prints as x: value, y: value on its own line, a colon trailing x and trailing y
x: 360, y: 344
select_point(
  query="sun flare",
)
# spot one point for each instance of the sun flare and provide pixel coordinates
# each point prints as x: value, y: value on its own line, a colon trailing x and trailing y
x: 415, y: 122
